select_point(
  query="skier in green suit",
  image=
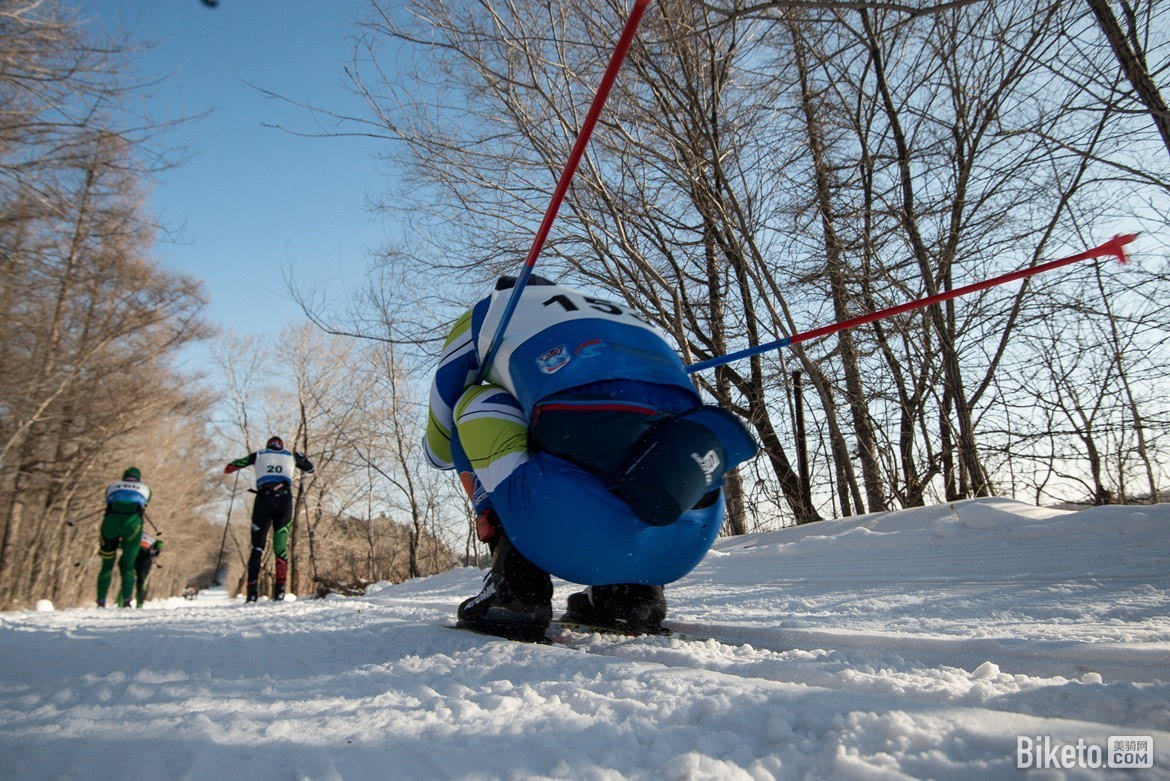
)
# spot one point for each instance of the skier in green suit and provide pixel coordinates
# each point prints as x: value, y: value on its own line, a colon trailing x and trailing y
x: 126, y: 502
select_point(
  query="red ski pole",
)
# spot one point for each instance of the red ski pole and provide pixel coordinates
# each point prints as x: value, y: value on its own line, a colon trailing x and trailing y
x: 562, y: 188
x: 1114, y: 247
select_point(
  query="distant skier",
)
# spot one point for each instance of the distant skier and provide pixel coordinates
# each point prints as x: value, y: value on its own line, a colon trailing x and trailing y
x: 273, y: 507
x: 126, y: 502
x: 148, y: 551
x: 588, y: 455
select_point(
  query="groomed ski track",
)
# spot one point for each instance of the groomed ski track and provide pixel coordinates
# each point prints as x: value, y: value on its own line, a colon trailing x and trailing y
x: 917, y: 644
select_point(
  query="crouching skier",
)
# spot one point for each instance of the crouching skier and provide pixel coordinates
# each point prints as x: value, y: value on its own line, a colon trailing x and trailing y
x: 126, y: 501
x: 273, y: 508
x: 587, y: 454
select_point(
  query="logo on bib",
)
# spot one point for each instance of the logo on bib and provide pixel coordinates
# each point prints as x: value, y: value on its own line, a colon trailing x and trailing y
x: 590, y: 349
x: 553, y: 360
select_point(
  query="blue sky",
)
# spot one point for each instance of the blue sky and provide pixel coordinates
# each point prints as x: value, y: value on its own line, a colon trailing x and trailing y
x: 253, y: 202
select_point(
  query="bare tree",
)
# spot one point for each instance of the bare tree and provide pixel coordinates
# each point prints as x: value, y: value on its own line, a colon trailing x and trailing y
x: 95, y: 326
x: 761, y: 168
x: 1130, y: 46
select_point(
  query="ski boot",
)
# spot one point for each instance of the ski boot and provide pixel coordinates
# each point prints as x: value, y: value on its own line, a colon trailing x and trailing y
x: 624, y: 607
x: 516, y: 600
x: 101, y: 603
x: 253, y: 592
x: 281, y: 578
x: 127, y: 603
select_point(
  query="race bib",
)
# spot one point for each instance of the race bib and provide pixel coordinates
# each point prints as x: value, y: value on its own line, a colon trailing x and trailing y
x: 540, y: 307
x: 273, y: 465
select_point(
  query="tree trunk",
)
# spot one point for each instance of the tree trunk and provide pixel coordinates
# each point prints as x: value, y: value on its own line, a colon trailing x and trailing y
x: 1132, y: 59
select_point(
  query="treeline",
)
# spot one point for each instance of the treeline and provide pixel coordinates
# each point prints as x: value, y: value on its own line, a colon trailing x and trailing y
x: 90, y: 323
x: 92, y: 329
x: 761, y: 169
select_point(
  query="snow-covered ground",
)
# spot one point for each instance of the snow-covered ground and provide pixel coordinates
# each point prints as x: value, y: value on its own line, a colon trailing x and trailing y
x: 922, y: 643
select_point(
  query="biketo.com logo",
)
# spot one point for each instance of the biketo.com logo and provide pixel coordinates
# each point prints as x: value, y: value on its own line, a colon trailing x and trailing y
x: 1120, y: 752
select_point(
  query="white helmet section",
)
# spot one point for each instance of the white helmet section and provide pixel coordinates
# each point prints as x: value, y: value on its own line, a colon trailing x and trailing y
x: 274, y: 466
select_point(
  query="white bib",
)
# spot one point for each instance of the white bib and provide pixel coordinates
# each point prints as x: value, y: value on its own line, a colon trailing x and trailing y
x: 539, y: 307
x: 273, y: 465
x: 126, y: 488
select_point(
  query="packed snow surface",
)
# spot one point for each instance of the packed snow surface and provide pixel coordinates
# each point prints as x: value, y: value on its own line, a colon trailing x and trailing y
x: 922, y: 643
